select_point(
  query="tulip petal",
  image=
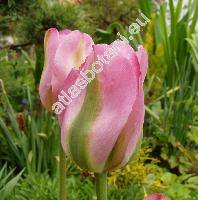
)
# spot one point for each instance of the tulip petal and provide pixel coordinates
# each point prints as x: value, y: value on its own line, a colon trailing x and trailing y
x: 45, y: 87
x: 72, y: 77
x: 131, y: 133
x: 143, y: 61
x: 73, y: 131
x: 72, y: 52
x: 129, y: 136
x: 156, y: 197
x: 136, y: 118
x: 118, y: 86
x: 80, y: 129
x: 66, y: 120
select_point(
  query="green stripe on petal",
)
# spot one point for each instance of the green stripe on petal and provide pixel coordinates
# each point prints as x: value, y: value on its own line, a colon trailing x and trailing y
x: 118, y: 152
x: 80, y: 130
x: 137, y: 149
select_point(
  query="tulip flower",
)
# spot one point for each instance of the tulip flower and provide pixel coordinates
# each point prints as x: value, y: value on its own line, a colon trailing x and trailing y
x: 102, y: 125
x: 156, y: 197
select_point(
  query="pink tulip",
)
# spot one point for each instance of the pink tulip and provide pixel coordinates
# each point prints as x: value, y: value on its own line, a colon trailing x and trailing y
x: 156, y: 197
x: 102, y: 125
x: 71, y: 46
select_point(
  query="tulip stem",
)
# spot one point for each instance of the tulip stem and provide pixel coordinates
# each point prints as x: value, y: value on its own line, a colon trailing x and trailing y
x: 62, y: 174
x: 101, y: 186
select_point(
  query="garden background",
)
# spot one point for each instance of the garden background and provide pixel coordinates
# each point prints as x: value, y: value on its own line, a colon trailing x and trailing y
x: 29, y: 135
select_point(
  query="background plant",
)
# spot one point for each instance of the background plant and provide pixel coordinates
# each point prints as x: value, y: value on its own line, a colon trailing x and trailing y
x: 7, y: 182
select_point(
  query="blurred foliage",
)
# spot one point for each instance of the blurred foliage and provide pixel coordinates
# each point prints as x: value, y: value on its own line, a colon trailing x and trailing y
x: 110, y: 34
x: 194, y: 50
x: 30, y: 19
x: 132, y: 191
x: 16, y: 69
x: 133, y: 172
x: 32, y: 137
x: 8, y: 182
x: 146, y: 7
x: 43, y: 16
x: 155, y: 178
x: 183, y: 159
x: 37, y: 187
x: 156, y: 70
x: 180, y: 187
x: 106, y: 12
x: 171, y: 89
x: 178, y: 108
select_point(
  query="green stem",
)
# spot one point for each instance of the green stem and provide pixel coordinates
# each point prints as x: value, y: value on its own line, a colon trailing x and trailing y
x: 101, y: 186
x: 62, y: 174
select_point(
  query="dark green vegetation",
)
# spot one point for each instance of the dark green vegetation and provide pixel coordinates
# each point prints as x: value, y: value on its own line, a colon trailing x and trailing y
x: 29, y: 136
